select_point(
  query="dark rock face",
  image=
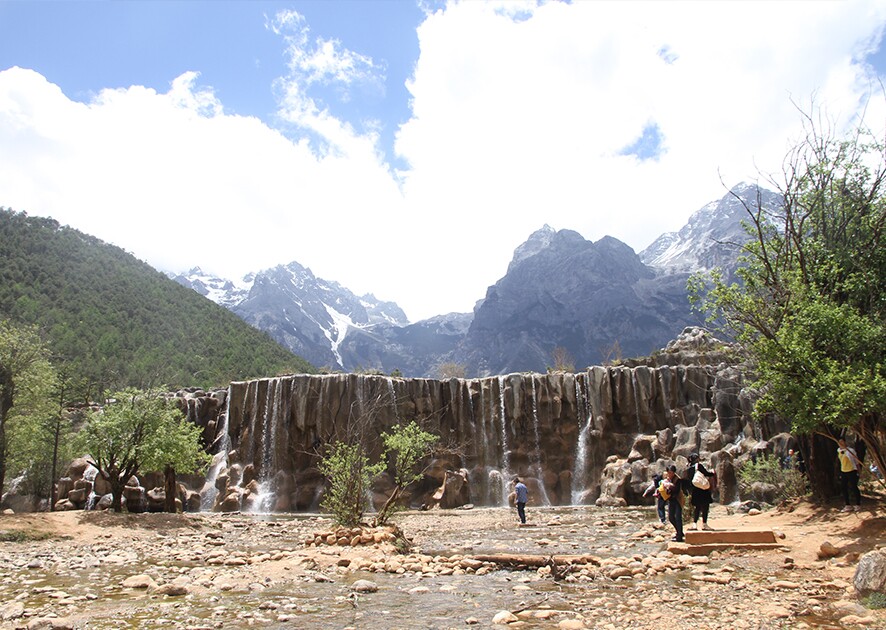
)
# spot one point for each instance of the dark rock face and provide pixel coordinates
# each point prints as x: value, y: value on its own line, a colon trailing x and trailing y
x: 571, y: 437
x: 560, y: 291
x: 564, y: 291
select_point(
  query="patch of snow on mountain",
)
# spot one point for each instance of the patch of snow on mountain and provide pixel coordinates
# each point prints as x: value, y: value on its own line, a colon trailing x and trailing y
x: 339, y: 331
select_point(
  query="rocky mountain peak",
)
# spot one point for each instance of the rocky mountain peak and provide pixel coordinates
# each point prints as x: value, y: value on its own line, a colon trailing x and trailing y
x: 713, y: 235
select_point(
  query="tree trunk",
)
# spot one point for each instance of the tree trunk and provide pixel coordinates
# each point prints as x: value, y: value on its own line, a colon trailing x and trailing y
x: 820, y: 453
x: 384, y: 512
x: 7, y: 399
x: 170, y: 488
x: 116, y: 490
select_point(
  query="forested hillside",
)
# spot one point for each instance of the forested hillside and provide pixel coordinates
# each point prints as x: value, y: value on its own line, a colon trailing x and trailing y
x: 115, y: 321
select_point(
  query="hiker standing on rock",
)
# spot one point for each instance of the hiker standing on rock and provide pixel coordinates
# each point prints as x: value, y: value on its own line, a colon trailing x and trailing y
x: 522, y: 496
x: 699, y: 479
x: 671, y: 491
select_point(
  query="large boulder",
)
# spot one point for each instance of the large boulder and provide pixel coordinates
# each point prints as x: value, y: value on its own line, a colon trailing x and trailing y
x: 870, y: 574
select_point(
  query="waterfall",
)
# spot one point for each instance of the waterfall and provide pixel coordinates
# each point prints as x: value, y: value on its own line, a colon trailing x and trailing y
x: 393, y: 395
x: 265, y: 500
x: 536, y: 453
x: 89, y: 475
x: 505, y: 469
x: 209, y: 492
x: 580, y: 469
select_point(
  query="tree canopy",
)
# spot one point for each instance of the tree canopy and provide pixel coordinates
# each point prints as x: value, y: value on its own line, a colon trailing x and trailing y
x: 140, y: 431
x: 809, y: 305
x: 118, y: 322
x: 26, y: 382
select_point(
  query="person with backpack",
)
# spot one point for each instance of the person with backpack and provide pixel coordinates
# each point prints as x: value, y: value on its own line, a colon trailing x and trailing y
x: 671, y: 491
x: 699, y: 479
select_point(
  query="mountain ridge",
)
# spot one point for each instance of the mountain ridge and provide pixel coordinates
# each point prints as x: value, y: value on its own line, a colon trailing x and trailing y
x: 606, y: 299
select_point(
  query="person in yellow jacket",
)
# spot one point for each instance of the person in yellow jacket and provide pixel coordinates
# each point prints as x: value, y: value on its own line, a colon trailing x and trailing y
x: 849, y: 466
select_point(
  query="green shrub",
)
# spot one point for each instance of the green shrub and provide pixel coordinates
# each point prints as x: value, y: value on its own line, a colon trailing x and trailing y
x: 347, y: 469
x: 790, y: 482
x: 875, y: 601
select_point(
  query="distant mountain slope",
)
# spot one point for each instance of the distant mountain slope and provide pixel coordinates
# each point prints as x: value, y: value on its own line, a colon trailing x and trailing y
x: 309, y: 315
x: 713, y: 234
x: 117, y: 320
x: 561, y: 290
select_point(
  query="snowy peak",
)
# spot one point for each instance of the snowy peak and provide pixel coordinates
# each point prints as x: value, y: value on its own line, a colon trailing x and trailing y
x: 712, y: 236
x: 309, y: 315
x: 220, y: 290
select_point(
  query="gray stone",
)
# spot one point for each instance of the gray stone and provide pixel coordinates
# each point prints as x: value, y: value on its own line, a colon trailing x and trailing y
x: 870, y: 574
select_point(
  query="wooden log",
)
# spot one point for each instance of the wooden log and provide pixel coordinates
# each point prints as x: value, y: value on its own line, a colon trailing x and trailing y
x: 534, y: 560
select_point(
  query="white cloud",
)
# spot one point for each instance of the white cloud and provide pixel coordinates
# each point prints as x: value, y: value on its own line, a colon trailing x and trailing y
x: 520, y: 113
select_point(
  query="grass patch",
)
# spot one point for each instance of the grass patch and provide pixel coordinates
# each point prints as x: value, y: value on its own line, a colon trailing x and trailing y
x: 875, y: 601
x: 20, y: 535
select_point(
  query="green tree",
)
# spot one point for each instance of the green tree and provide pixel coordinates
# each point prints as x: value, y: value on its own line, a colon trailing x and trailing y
x: 346, y: 467
x: 140, y: 431
x: 809, y: 305
x: 26, y: 375
x: 405, y: 447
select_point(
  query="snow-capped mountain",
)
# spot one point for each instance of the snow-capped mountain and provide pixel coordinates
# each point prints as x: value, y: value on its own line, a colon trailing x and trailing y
x: 560, y: 290
x: 228, y: 293
x: 712, y: 236
x: 308, y: 315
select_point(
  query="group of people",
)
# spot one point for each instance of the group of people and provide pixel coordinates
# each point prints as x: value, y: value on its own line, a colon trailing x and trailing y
x: 670, y: 491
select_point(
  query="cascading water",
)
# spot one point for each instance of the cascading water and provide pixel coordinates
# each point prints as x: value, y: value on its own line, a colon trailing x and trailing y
x: 209, y: 492
x: 504, y: 473
x: 89, y: 475
x: 264, y: 501
x: 536, y: 453
x: 580, y: 469
x: 393, y: 396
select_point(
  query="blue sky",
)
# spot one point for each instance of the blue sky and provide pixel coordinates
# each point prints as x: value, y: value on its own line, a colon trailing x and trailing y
x: 407, y: 148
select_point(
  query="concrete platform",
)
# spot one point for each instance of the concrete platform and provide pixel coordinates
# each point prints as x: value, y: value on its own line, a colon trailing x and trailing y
x: 744, y: 536
x: 701, y: 543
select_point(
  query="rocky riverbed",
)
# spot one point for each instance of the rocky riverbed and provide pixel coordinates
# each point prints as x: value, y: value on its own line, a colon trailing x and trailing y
x: 597, y: 568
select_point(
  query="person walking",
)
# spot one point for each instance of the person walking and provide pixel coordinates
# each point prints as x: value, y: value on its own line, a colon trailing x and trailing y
x: 849, y: 465
x: 660, y: 504
x: 522, y: 496
x: 671, y: 491
x: 699, y: 479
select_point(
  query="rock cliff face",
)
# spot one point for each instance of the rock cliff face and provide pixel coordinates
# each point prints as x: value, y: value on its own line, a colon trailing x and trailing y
x: 560, y: 291
x: 587, y: 297
x: 571, y: 437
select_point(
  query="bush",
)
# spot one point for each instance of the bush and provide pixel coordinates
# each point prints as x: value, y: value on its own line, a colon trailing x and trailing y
x: 347, y: 469
x: 789, y: 483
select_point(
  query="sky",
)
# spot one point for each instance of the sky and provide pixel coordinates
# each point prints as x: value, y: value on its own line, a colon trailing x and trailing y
x: 406, y: 149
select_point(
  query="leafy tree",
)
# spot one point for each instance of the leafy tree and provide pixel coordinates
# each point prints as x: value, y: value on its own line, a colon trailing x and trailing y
x: 405, y: 447
x: 140, y: 431
x: 26, y: 375
x: 809, y: 305
x: 347, y: 468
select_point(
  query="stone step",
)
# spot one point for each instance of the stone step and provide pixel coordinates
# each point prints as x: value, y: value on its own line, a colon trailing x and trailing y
x: 730, y: 536
x: 704, y: 550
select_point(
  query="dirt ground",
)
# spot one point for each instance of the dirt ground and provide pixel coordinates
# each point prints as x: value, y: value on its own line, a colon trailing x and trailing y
x: 274, y: 556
